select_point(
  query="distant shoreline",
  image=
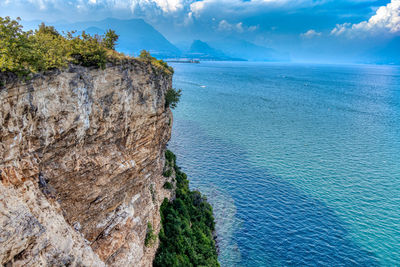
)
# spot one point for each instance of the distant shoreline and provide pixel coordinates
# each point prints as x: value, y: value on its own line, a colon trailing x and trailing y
x: 184, y: 61
x: 196, y: 61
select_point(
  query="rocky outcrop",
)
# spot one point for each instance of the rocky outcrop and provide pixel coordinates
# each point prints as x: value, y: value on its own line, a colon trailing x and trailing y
x: 81, y: 160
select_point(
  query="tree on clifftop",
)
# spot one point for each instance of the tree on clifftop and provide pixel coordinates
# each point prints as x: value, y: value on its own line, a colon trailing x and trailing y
x: 110, y: 39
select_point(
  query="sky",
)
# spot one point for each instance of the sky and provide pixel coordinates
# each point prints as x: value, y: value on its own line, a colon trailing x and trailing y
x: 306, y: 29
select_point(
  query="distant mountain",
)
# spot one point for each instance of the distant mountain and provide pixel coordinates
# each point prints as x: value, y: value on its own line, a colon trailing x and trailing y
x: 134, y: 36
x: 243, y: 49
x: 201, y: 50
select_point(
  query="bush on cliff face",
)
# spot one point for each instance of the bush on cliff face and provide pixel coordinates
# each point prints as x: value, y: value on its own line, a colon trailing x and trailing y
x: 170, y: 157
x: 168, y: 186
x: 186, y: 236
x: 28, y: 52
x: 172, y: 97
x: 167, y: 173
x: 150, y: 236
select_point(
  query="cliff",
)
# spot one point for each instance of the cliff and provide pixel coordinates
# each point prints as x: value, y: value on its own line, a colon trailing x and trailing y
x: 81, y: 162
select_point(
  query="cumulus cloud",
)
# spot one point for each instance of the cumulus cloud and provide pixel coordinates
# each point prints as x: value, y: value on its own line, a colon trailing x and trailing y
x: 310, y: 34
x: 238, y: 27
x: 169, y: 5
x: 179, y: 10
x: 281, y: 18
x: 386, y: 20
x: 166, y: 6
x: 198, y: 8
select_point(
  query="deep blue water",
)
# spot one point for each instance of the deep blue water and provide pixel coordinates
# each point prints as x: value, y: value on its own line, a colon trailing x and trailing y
x: 301, y: 162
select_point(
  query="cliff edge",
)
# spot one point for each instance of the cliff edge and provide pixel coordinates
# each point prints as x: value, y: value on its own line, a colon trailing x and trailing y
x: 81, y: 163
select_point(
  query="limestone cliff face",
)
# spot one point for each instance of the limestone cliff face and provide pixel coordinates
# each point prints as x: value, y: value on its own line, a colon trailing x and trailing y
x: 81, y: 160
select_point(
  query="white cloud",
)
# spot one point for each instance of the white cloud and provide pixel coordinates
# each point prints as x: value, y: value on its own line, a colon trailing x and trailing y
x: 170, y: 5
x: 341, y: 28
x: 184, y: 11
x: 310, y: 34
x: 386, y: 20
x: 42, y: 4
x: 238, y: 27
x: 225, y: 26
x: 166, y: 6
x: 197, y: 7
x: 227, y: 6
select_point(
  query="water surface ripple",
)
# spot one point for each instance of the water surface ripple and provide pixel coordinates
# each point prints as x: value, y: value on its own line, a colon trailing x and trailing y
x: 301, y: 162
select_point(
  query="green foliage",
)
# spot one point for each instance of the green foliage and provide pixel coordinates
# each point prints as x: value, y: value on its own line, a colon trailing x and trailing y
x: 150, y: 236
x: 110, y: 39
x: 172, y: 97
x: 48, y: 49
x: 145, y: 55
x: 158, y: 64
x: 186, y: 237
x: 167, y: 185
x: 29, y: 52
x: 15, y: 48
x: 50, y: 30
x: 167, y: 173
x: 87, y: 50
x: 170, y: 157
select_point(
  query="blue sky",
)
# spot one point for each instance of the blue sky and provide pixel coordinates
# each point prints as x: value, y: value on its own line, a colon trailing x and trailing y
x: 294, y: 26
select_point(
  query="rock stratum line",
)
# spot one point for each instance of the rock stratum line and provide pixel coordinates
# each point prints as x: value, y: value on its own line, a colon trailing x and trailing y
x: 81, y: 163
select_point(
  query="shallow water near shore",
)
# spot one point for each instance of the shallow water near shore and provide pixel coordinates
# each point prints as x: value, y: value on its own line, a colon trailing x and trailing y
x: 300, y: 162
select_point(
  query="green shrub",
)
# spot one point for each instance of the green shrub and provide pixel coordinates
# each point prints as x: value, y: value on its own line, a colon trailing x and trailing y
x: 150, y: 236
x: 167, y: 185
x: 110, y: 39
x: 27, y: 52
x: 158, y: 64
x: 172, y: 97
x: 186, y: 236
x: 145, y: 55
x: 167, y: 173
x: 49, y: 49
x: 87, y: 51
x: 15, y: 48
x: 170, y: 157
x: 24, y: 53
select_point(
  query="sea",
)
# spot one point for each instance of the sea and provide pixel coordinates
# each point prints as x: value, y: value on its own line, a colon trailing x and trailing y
x: 301, y: 162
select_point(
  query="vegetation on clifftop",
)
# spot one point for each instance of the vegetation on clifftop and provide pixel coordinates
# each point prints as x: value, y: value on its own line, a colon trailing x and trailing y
x: 157, y: 63
x: 25, y: 52
x: 186, y: 236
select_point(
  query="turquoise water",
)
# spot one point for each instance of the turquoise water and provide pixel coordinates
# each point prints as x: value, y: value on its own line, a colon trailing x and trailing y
x: 301, y: 162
